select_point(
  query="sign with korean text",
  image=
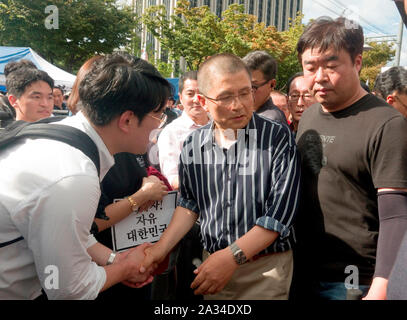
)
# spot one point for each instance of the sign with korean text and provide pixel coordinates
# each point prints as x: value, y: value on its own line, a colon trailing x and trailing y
x: 147, y: 226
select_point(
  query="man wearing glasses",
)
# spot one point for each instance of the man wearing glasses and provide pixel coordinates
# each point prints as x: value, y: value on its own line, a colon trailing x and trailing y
x: 263, y: 69
x: 299, y: 98
x: 240, y: 176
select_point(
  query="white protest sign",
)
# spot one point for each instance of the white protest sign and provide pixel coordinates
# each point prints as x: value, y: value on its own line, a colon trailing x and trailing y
x: 147, y: 226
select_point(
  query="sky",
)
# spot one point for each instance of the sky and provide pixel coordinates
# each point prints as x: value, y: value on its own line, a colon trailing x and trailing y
x: 377, y: 17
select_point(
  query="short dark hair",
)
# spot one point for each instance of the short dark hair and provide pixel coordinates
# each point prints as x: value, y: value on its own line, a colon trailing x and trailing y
x: 324, y: 33
x: 263, y: 61
x: 18, y: 80
x: 15, y: 65
x: 393, y: 79
x: 61, y: 88
x: 192, y: 75
x: 120, y: 82
x: 298, y: 74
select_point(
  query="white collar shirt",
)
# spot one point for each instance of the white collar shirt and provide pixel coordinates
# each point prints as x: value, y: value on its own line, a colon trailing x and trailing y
x: 49, y: 192
x: 170, y: 144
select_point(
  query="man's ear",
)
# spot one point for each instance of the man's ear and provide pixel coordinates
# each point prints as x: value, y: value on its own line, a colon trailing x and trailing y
x: 126, y: 121
x: 273, y: 83
x: 390, y: 99
x: 202, y: 101
x: 13, y: 100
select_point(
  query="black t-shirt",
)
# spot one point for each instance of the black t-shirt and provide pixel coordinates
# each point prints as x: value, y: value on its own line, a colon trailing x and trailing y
x: 346, y: 156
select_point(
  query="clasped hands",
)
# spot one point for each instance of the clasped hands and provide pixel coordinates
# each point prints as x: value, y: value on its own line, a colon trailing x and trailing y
x: 211, y: 276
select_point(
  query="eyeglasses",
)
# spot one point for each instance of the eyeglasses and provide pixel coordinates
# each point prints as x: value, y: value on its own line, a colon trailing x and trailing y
x: 401, y: 102
x: 162, y: 119
x: 257, y: 86
x: 243, y: 97
x: 305, y: 96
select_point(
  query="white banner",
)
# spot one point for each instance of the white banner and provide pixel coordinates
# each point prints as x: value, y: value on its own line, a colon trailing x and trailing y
x: 146, y: 226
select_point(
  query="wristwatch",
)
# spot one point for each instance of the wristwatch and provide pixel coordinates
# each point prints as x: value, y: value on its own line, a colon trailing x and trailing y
x: 111, y: 258
x: 238, y: 254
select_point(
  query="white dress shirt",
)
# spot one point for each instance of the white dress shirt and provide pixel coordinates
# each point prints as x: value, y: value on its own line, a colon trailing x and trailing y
x: 49, y: 192
x: 170, y: 144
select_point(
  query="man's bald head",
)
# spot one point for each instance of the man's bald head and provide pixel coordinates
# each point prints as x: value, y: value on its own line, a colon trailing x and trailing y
x: 219, y: 64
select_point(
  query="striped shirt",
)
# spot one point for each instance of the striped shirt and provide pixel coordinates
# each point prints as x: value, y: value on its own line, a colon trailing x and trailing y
x: 254, y: 182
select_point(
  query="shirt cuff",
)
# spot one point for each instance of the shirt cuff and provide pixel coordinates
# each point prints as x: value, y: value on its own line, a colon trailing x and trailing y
x: 273, y: 225
x: 91, y: 241
x: 188, y: 204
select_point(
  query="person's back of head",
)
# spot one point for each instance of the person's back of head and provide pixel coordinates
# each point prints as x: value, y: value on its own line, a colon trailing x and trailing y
x: 120, y: 82
x: 393, y: 79
x: 73, y: 100
x: 391, y: 85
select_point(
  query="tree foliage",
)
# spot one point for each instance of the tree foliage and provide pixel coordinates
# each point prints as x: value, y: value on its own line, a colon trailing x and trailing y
x: 85, y: 28
x: 374, y: 59
x: 196, y: 33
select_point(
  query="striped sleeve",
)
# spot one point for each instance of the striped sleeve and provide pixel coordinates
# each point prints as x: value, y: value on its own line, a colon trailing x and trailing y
x: 187, y: 198
x: 283, y: 199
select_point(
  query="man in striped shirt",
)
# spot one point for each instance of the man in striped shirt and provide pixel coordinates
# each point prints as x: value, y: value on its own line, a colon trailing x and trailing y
x: 240, y: 175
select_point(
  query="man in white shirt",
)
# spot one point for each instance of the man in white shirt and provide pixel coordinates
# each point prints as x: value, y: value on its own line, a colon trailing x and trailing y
x: 49, y: 191
x: 172, y: 137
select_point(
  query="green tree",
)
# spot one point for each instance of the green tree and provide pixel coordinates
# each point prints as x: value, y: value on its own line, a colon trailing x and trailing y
x: 85, y: 28
x: 290, y: 64
x: 196, y: 33
x: 374, y: 59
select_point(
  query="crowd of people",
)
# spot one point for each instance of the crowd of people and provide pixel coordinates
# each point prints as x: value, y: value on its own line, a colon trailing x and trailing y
x: 280, y: 195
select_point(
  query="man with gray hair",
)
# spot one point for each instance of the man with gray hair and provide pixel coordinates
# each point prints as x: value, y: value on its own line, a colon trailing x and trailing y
x: 263, y: 69
x: 240, y: 175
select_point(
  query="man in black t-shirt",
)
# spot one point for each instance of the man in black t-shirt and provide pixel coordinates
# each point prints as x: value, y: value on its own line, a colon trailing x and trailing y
x: 354, y: 159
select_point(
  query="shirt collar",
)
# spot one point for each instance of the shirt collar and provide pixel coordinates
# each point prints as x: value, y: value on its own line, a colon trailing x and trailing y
x: 80, y: 122
x: 188, y: 121
x: 209, y: 131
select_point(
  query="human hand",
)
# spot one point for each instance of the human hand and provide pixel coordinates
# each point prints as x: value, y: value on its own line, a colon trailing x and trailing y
x: 214, y: 273
x: 154, y: 254
x: 153, y: 188
x: 136, y: 256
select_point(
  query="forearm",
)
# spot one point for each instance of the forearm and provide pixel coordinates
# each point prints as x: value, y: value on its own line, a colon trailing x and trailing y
x: 119, y: 210
x: 181, y: 222
x: 256, y: 240
x: 99, y: 253
x: 117, y: 272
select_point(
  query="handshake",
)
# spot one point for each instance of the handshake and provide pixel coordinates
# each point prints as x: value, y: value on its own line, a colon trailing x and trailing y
x: 141, y: 264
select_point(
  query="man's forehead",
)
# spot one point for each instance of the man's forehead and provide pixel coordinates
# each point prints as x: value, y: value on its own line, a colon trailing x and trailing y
x: 190, y: 84
x: 311, y: 55
x: 300, y: 84
x: 38, y: 86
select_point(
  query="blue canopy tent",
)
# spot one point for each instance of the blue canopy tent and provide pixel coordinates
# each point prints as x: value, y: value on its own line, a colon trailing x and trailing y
x: 174, y: 83
x: 8, y: 54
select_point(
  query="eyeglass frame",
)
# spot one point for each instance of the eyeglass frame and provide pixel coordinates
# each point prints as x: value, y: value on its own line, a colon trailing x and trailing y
x: 220, y: 99
x: 256, y: 87
x: 163, y: 119
x: 299, y: 96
